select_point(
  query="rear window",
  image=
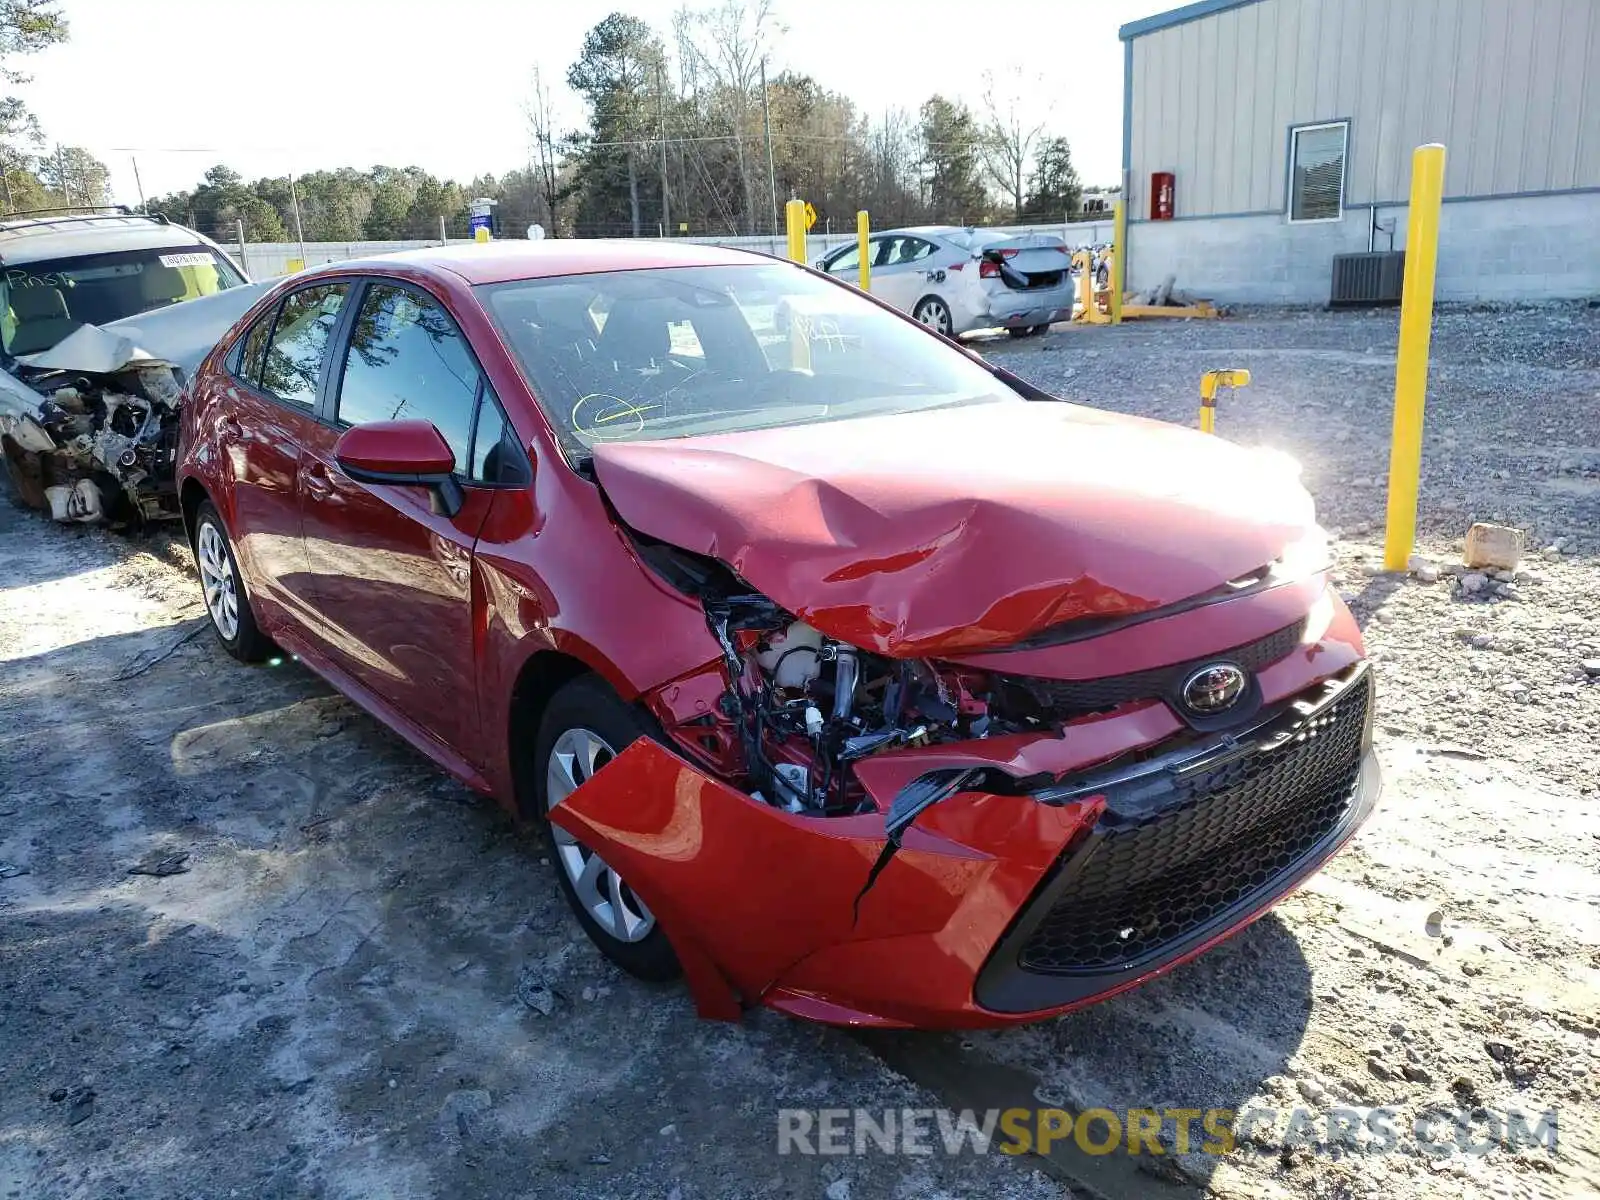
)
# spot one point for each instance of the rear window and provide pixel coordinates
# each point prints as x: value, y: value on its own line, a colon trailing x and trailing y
x: 42, y: 302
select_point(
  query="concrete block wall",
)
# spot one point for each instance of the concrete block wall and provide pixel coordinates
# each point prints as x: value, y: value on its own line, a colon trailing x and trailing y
x: 1520, y: 248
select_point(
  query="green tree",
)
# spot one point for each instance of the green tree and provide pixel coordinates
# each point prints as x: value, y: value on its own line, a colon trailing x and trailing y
x: 26, y: 26
x: 75, y: 176
x: 614, y: 73
x: 392, y: 194
x: 951, y: 162
x: 1053, y: 188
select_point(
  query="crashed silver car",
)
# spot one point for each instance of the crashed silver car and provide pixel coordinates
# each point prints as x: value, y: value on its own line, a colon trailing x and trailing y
x: 103, y: 317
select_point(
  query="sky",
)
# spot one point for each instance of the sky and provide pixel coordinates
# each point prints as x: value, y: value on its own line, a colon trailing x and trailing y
x: 298, y: 85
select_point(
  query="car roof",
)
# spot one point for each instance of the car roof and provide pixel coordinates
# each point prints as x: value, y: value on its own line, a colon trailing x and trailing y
x: 499, y: 262
x: 34, y: 239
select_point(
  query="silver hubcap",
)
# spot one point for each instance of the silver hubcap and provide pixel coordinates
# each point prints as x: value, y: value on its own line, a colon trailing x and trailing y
x: 936, y: 315
x: 576, y: 756
x: 216, y: 577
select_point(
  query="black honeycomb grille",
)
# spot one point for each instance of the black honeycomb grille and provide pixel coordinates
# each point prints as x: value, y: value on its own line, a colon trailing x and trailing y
x: 1063, y: 699
x: 1139, y: 884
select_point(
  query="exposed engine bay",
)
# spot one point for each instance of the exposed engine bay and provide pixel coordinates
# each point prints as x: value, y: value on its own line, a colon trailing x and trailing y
x: 94, y: 446
x: 89, y: 427
x: 801, y: 707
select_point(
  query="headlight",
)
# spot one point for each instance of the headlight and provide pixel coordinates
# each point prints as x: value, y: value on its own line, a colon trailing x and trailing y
x: 1306, y: 556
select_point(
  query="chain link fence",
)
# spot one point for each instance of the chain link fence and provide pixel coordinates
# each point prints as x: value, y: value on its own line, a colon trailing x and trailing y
x: 268, y: 260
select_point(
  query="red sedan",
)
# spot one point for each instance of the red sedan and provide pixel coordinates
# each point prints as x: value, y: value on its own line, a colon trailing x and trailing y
x: 854, y: 675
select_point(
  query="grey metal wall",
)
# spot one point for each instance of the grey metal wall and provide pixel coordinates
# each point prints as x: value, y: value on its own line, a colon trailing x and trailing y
x: 1511, y: 87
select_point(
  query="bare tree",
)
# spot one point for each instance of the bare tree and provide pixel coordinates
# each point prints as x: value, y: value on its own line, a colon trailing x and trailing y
x: 545, y: 162
x: 1011, y: 128
x: 726, y: 43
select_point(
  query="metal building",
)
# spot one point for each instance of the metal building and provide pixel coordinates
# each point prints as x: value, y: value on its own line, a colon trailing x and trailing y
x: 1262, y: 137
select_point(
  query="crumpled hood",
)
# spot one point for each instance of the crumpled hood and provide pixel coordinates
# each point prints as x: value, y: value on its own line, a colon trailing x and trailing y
x: 965, y: 528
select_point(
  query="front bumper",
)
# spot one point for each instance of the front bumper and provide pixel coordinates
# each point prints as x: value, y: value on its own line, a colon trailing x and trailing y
x: 1189, y: 850
x: 1001, y: 907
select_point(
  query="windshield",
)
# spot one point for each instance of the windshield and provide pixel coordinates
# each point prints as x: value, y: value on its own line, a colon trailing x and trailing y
x: 676, y: 352
x: 42, y: 302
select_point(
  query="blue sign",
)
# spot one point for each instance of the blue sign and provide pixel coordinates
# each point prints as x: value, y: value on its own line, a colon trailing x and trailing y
x: 479, y: 221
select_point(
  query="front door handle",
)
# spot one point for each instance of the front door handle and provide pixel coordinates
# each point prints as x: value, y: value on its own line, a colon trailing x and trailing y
x: 315, y: 482
x: 229, y: 428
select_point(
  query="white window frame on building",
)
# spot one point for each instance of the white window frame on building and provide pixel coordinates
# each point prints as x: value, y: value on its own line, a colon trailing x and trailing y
x: 1344, y: 168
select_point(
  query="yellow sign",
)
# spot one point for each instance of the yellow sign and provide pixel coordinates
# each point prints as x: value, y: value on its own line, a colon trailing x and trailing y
x: 811, y: 216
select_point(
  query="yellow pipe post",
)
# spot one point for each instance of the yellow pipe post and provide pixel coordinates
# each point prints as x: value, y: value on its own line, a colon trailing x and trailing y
x: 863, y: 228
x: 1119, y: 246
x: 1411, y: 361
x: 481, y: 234
x: 1212, y: 382
x: 794, y: 214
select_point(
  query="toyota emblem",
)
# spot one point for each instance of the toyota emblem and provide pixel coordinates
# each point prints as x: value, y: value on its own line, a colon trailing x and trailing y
x: 1214, y: 688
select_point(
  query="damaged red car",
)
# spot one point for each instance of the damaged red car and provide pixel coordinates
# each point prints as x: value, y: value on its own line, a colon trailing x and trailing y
x: 854, y: 676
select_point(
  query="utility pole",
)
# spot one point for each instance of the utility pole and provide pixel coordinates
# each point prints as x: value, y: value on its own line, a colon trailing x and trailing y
x: 137, y: 183
x: 661, y: 138
x: 299, y: 234
x: 61, y: 174
x: 766, y: 124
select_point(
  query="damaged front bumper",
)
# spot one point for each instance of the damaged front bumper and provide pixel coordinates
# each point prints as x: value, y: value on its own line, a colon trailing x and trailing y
x: 999, y: 906
x: 92, y: 442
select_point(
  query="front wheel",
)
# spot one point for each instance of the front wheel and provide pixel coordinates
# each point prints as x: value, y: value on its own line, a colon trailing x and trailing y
x: 586, y: 726
x: 226, y: 601
x: 935, y: 314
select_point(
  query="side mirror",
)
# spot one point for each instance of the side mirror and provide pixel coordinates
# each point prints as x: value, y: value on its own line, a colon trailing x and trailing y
x: 402, y: 452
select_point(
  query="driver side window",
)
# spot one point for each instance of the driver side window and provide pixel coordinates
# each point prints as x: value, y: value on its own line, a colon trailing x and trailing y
x: 407, y: 360
x: 846, y: 260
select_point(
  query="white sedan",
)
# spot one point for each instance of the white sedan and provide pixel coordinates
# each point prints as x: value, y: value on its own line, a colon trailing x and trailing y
x: 956, y: 280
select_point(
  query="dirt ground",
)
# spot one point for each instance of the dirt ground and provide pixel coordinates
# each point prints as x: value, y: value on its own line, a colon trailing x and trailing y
x: 360, y: 981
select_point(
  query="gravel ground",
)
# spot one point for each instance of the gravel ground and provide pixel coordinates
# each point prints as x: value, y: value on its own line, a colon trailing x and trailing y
x: 361, y: 982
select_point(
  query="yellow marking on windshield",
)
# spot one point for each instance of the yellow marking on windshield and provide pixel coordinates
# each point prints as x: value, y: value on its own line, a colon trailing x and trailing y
x: 615, y: 410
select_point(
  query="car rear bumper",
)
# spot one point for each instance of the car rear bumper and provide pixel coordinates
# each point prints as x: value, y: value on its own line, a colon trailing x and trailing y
x: 1010, y: 310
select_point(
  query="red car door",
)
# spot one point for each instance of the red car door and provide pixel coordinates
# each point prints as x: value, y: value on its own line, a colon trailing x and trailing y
x: 392, y: 577
x: 263, y: 427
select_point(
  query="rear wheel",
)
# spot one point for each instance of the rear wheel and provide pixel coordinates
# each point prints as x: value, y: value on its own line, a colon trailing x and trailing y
x: 226, y: 602
x: 935, y: 314
x: 585, y: 726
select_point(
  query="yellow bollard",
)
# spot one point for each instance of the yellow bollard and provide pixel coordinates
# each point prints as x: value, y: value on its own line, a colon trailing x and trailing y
x: 1212, y: 382
x: 794, y: 214
x: 482, y: 234
x: 1411, y: 361
x: 1119, y: 245
x: 862, y: 245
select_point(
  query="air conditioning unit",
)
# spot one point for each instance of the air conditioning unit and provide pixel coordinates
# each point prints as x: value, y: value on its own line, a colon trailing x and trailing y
x: 1372, y: 278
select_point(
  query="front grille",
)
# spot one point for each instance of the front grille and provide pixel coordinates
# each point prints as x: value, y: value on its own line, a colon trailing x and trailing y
x: 1139, y: 883
x: 1064, y: 699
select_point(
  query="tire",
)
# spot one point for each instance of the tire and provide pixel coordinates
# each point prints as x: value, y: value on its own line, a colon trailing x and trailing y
x: 584, y: 726
x: 26, y: 476
x: 935, y: 314
x: 227, y: 603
